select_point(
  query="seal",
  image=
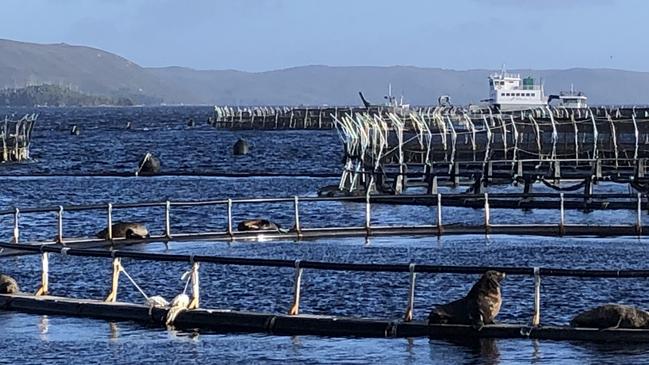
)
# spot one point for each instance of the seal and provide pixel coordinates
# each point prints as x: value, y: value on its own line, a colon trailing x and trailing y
x: 241, y: 147
x: 479, y: 307
x: 8, y: 285
x: 126, y: 230
x: 148, y: 165
x: 258, y: 225
x: 612, y: 316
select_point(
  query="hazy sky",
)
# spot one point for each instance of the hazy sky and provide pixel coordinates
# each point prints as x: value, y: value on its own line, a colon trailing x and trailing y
x: 259, y: 35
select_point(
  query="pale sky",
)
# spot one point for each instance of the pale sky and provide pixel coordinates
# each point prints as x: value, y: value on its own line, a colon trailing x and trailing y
x: 259, y: 35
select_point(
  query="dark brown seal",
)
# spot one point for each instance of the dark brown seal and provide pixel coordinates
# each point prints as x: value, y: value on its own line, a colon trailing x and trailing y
x: 126, y: 230
x: 477, y: 308
x: 8, y: 285
x: 257, y: 225
x: 612, y: 316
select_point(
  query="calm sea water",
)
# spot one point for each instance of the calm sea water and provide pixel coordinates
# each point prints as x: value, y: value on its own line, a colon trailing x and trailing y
x: 105, y: 146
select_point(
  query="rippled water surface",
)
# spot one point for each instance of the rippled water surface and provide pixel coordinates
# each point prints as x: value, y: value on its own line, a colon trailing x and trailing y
x: 106, y: 146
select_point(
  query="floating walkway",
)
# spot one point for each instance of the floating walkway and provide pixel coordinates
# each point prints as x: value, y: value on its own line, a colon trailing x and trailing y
x: 294, y: 323
x: 226, y: 321
x: 556, y: 225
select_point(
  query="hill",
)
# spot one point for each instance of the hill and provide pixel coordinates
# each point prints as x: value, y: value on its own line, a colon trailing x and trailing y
x: 93, y: 71
x: 88, y: 70
x: 313, y: 85
x: 54, y: 95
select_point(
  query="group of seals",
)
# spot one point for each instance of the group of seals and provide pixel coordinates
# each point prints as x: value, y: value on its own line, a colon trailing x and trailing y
x: 612, y: 316
x: 482, y: 304
x: 8, y: 285
x: 478, y: 308
x: 128, y: 230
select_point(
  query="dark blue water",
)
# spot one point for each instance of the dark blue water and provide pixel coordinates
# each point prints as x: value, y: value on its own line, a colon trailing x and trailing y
x: 106, y: 146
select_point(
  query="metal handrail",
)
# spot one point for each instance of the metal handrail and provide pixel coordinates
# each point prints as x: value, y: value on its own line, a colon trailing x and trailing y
x: 300, y: 265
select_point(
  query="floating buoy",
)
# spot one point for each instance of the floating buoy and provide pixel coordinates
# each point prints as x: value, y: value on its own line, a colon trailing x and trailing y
x: 128, y: 125
x: 75, y: 130
x: 149, y: 165
x: 190, y: 123
x: 179, y: 304
x: 241, y: 147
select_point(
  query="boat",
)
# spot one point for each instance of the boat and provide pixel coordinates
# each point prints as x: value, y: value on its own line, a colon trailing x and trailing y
x: 508, y: 92
x: 572, y: 99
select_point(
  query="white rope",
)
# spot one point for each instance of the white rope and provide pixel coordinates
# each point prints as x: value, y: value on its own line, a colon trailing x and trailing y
x: 595, y: 134
x: 614, y: 138
x: 637, y: 135
x: 122, y: 269
x: 515, y: 131
x: 574, y: 125
x: 555, y: 136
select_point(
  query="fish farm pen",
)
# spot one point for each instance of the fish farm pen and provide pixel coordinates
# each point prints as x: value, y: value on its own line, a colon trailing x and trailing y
x: 389, y: 149
x: 390, y: 154
x: 15, y: 135
x: 283, y: 117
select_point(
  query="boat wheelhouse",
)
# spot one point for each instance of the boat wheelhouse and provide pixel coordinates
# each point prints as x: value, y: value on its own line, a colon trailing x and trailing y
x: 572, y: 99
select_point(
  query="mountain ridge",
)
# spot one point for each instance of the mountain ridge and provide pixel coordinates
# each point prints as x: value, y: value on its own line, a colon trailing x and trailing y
x: 98, y: 72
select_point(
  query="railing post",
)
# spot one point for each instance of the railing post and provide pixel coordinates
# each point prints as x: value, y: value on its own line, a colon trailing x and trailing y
x: 297, y: 284
x: 298, y: 229
x: 230, y: 218
x: 562, y: 219
x: 59, y: 218
x: 196, y: 293
x: 638, y: 222
x: 486, y: 213
x: 168, y: 219
x: 117, y: 268
x: 16, y: 238
x: 109, y: 235
x: 440, y: 228
x: 45, y: 278
x: 411, y: 294
x: 368, y: 217
x: 536, y: 318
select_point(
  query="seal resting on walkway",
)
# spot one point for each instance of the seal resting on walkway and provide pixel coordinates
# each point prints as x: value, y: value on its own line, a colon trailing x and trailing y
x: 612, y: 316
x: 257, y: 225
x: 8, y: 285
x: 477, y: 308
x: 126, y: 230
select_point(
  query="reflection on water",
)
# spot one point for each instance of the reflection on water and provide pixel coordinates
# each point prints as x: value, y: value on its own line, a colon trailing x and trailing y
x: 483, y: 349
x: 43, y: 327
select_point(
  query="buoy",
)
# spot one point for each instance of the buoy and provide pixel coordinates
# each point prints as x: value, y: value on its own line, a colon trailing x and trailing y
x: 149, y: 165
x: 75, y: 130
x: 179, y: 304
x: 128, y: 125
x: 241, y: 147
x: 190, y: 123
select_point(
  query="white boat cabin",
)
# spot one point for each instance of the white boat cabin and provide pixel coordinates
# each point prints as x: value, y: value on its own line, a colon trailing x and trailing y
x: 508, y: 92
